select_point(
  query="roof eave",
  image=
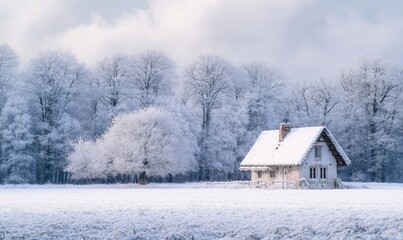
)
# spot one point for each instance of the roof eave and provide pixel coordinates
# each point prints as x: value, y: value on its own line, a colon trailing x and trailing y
x: 343, y: 158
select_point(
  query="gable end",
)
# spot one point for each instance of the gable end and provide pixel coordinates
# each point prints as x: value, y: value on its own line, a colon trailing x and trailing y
x: 335, y: 149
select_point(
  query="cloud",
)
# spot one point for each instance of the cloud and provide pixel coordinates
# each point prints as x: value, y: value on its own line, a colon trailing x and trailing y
x: 26, y: 25
x: 345, y: 40
x: 186, y: 29
x: 306, y: 39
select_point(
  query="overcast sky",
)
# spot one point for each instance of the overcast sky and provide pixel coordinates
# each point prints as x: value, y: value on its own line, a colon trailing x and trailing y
x: 306, y: 39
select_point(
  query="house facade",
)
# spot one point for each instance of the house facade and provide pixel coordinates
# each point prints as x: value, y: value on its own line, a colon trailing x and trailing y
x: 295, y: 157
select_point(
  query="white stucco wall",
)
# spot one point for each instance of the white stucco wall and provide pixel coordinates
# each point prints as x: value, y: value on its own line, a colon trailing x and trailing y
x: 327, y: 161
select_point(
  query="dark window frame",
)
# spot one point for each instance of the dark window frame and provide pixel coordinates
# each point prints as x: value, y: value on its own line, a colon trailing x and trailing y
x: 323, y: 173
x: 312, y: 172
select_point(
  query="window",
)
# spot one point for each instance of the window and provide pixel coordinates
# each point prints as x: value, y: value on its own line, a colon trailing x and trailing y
x: 322, y: 173
x: 318, y: 152
x: 312, y: 172
x: 272, y: 173
x: 259, y: 174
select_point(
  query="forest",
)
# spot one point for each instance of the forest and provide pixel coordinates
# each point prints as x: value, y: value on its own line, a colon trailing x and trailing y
x: 139, y: 118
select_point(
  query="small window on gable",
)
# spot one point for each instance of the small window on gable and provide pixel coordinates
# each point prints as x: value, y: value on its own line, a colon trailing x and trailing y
x: 312, y: 172
x: 259, y: 174
x: 318, y: 152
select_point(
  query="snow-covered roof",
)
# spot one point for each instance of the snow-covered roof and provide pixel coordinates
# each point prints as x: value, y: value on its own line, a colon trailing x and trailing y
x: 293, y: 150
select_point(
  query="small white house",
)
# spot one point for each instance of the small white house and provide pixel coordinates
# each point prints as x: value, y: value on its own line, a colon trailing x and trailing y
x: 295, y: 157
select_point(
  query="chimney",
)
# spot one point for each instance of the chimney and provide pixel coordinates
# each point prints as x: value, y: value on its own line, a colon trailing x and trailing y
x: 285, y: 128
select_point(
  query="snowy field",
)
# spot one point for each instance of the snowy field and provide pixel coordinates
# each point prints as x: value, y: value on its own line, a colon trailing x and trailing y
x: 199, y: 211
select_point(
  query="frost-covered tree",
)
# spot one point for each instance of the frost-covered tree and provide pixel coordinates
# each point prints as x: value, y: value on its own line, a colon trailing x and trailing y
x: 8, y: 71
x: 372, y: 99
x: 266, y: 87
x: 152, y: 79
x: 313, y: 103
x: 299, y: 105
x: 148, y: 142
x: 229, y: 138
x: 17, y: 162
x: 227, y: 143
x: 86, y: 162
x: 122, y: 83
x: 8, y: 76
x: 113, y: 74
x: 324, y: 97
x: 106, y: 92
x: 206, y: 82
x: 53, y: 81
x: 94, y: 114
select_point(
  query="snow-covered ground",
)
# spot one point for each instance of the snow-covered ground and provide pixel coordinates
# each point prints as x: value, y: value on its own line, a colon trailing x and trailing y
x: 199, y: 211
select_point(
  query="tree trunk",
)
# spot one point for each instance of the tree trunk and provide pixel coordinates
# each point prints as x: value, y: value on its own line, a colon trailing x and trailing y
x: 170, y: 178
x: 201, y: 172
x: 208, y: 175
x: 143, y: 178
x: 373, y: 160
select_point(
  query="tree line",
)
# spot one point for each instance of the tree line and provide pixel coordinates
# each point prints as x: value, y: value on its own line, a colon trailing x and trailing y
x: 137, y: 117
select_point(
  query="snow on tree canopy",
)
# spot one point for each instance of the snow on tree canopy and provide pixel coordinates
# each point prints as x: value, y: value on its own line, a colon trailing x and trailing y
x: 150, y: 141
